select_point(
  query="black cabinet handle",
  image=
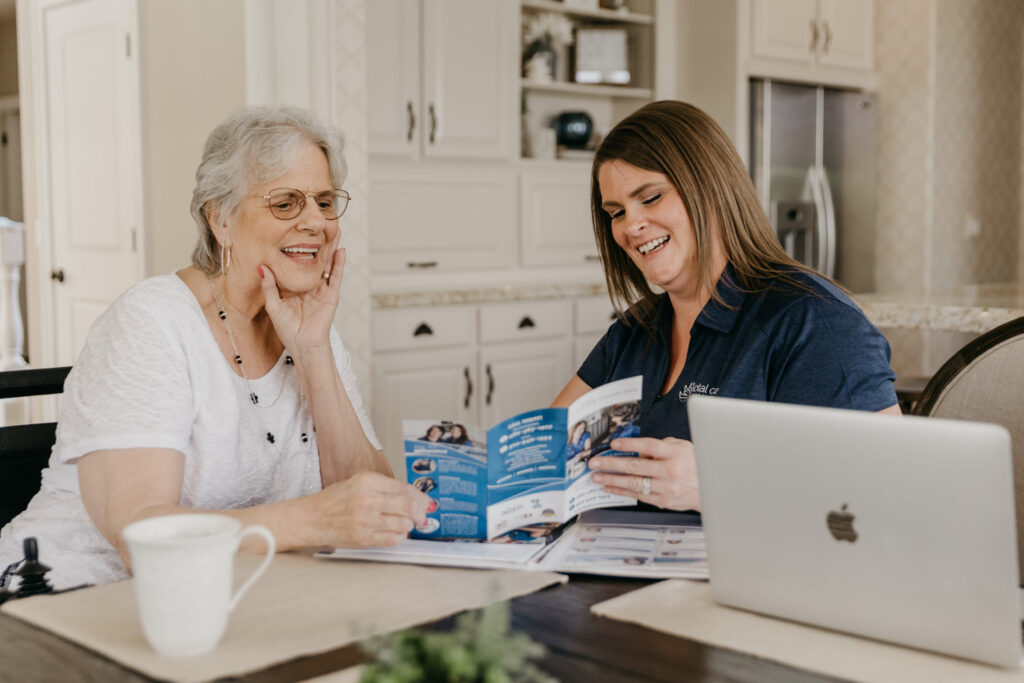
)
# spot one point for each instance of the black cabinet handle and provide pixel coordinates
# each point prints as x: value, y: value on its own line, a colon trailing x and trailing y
x: 423, y: 329
x: 433, y: 122
x: 421, y: 264
x: 591, y: 257
x: 469, y: 388
x: 57, y: 275
x: 527, y: 321
x: 412, y: 121
x: 490, y: 385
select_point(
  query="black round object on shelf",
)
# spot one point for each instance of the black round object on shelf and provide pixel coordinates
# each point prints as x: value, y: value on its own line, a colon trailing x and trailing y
x: 573, y: 128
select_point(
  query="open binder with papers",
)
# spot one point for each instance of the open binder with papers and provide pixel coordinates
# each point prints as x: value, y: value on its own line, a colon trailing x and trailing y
x: 607, y: 542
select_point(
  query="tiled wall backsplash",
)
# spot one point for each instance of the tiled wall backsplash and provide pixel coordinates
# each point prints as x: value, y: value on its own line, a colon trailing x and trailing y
x: 950, y: 127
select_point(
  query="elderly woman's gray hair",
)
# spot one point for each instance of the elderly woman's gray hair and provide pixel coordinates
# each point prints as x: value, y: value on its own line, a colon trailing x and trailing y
x: 252, y: 146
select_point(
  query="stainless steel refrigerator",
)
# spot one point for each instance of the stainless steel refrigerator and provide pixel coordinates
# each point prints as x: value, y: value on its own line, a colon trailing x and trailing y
x: 812, y: 161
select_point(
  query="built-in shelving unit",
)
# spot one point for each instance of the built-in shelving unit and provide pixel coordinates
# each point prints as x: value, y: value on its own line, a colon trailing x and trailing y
x: 615, y: 16
x: 588, y: 89
x: 605, y: 103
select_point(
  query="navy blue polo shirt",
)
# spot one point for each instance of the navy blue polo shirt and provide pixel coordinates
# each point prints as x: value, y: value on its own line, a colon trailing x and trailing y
x: 782, y: 344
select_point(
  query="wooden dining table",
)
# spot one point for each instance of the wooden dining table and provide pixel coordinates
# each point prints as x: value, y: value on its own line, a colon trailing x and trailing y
x: 580, y: 647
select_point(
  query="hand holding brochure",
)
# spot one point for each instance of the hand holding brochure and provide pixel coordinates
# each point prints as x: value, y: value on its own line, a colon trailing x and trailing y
x: 529, y: 471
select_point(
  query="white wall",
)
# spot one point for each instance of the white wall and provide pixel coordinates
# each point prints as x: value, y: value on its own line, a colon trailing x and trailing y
x: 8, y: 56
x: 192, y: 73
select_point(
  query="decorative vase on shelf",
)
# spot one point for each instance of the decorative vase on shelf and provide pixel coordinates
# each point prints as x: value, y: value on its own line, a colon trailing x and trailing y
x: 540, y: 60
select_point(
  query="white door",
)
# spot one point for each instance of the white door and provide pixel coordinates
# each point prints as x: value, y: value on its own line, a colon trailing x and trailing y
x: 468, y: 78
x: 522, y: 376
x: 785, y: 29
x: 421, y: 385
x: 393, y: 76
x: 93, y: 155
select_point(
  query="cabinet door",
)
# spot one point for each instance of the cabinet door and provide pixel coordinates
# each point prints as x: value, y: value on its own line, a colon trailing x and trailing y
x: 393, y: 78
x: 468, y: 78
x: 557, y: 228
x: 441, y: 218
x: 784, y: 29
x: 847, y: 34
x: 421, y: 385
x: 523, y: 376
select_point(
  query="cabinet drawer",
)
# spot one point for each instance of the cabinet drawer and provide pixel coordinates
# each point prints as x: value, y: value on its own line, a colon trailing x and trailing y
x: 526, y: 320
x: 421, y: 328
x: 594, y: 315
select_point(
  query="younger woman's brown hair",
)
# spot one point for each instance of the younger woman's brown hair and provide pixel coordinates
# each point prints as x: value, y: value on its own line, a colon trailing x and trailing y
x: 682, y: 142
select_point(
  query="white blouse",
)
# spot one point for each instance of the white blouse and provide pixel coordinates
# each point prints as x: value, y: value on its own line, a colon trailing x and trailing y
x: 152, y: 376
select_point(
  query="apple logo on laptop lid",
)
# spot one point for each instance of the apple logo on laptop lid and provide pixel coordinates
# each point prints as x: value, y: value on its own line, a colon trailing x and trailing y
x: 840, y: 525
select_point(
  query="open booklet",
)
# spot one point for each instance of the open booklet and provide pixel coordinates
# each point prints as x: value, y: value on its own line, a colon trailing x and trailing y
x: 528, y: 475
x: 608, y: 542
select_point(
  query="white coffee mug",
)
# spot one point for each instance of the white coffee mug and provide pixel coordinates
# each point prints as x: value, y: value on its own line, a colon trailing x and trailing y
x: 183, y: 568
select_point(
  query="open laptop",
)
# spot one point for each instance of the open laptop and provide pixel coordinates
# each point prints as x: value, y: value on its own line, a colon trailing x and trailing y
x: 896, y: 528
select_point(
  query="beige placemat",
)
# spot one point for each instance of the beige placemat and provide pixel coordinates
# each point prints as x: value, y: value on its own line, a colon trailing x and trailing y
x: 301, y: 606
x: 684, y: 608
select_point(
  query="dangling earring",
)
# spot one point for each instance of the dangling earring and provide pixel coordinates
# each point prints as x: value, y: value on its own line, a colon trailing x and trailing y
x: 225, y: 260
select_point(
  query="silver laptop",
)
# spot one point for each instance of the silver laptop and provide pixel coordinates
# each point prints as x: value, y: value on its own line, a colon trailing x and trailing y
x: 895, y: 528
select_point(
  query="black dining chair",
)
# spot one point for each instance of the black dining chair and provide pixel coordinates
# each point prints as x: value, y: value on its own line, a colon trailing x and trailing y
x: 25, y: 449
x: 984, y: 382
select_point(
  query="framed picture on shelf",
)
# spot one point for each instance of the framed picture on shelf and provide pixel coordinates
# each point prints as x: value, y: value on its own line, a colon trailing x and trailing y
x: 602, y: 56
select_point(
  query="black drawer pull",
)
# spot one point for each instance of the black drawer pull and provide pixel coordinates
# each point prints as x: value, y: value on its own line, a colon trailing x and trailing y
x: 469, y: 388
x: 490, y: 385
x: 591, y: 257
x: 421, y: 264
x: 423, y: 329
x: 527, y: 321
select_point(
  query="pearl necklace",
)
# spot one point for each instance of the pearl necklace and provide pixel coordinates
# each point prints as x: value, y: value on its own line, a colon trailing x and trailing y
x: 254, y: 399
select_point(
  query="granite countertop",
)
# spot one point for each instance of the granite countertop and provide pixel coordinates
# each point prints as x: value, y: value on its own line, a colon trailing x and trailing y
x: 972, y: 308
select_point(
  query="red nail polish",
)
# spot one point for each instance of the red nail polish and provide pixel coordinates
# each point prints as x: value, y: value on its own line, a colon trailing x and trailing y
x: 260, y: 269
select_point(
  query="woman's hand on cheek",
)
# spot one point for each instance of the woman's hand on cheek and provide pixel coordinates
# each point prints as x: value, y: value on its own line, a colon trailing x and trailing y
x: 368, y: 509
x: 669, y: 463
x: 303, y: 321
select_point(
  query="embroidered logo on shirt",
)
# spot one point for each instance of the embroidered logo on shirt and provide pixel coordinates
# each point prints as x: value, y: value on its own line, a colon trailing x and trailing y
x: 696, y: 388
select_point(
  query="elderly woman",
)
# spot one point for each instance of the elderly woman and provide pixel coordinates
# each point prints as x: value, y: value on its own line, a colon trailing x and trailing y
x: 673, y: 206
x: 223, y: 387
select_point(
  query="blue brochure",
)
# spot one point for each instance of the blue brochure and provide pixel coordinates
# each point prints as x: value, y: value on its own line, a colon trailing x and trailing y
x: 526, y: 475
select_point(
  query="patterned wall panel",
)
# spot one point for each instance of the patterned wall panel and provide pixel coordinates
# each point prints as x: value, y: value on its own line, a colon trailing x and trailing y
x: 950, y: 130
x: 348, y: 50
x: 903, y: 60
x: 978, y: 112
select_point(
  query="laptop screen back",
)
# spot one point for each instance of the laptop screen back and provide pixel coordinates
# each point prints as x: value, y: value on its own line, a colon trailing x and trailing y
x: 896, y: 528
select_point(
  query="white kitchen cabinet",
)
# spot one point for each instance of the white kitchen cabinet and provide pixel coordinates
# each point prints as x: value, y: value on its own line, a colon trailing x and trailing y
x: 424, y: 365
x: 393, y: 88
x: 594, y: 315
x: 811, y: 40
x: 555, y: 216
x: 429, y: 218
x: 441, y: 80
x: 421, y: 384
x: 848, y: 33
x: 474, y: 364
x: 522, y: 376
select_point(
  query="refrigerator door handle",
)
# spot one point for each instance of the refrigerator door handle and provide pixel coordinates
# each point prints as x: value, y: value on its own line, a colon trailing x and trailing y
x: 820, y: 231
x: 830, y: 223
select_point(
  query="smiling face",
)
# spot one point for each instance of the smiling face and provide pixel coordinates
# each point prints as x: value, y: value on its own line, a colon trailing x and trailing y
x: 650, y: 224
x: 298, y: 250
